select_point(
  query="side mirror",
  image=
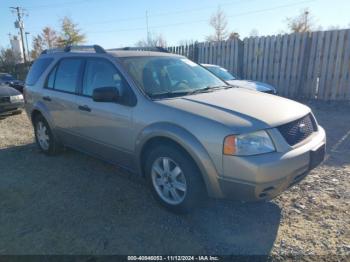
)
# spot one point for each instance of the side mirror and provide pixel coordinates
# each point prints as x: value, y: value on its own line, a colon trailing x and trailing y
x: 105, y: 94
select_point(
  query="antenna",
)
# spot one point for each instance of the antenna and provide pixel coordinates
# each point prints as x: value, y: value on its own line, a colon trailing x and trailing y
x: 148, y: 36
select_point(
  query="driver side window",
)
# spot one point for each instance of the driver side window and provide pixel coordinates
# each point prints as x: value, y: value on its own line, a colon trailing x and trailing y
x: 101, y: 73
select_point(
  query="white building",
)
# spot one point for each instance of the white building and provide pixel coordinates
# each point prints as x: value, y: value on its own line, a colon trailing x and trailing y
x: 16, y: 46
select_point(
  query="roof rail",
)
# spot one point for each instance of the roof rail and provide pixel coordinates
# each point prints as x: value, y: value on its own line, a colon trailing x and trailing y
x: 144, y: 48
x: 69, y: 48
x: 98, y: 49
x: 52, y: 50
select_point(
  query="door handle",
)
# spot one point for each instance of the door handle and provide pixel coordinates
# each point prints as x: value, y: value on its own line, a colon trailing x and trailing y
x: 84, y: 108
x: 47, y: 98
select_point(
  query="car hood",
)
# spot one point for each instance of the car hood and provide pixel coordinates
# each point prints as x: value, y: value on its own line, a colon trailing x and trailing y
x: 254, y: 85
x: 241, y: 109
x: 6, y: 90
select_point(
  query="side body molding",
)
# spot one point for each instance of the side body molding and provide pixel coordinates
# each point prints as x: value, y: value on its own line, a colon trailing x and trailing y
x: 190, y: 143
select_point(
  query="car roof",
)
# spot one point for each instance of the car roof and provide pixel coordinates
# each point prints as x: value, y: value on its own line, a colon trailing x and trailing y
x: 136, y: 53
x: 115, y: 53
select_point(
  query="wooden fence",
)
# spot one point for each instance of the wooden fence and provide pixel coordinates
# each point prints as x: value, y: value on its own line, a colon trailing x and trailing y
x: 301, y: 65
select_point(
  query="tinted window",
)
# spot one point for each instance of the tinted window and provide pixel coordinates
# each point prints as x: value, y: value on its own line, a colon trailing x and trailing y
x: 101, y: 73
x: 67, y: 75
x: 51, y: 79
x: 37, y: 69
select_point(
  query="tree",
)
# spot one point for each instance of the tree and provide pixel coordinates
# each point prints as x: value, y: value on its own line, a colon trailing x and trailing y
x: 233, y: 35
x: 187, y: 42
x: 37, y: 47
x: 219, y: 22
x: 153, y: 40
x: 301, y: 23
x: 50, y: 38
x: 254, y: 33
x: 8, y: 60
x: 70, y: 33
x: 45, y: 40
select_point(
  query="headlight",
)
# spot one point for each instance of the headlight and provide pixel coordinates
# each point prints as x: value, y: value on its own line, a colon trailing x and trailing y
x: 248, y: 144
x: 16, y: 98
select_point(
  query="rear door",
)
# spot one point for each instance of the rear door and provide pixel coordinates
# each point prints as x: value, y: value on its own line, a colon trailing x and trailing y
x: 106, y: 126
x: 59, y: 95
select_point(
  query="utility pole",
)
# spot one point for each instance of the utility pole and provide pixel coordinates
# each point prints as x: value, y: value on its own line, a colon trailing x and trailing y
x: 19, y: 24
x: 148, y: 36
x: 306, y: 21
x: 27, y: 33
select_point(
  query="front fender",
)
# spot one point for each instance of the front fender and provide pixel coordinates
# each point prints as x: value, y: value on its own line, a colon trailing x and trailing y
x: 190, y: 143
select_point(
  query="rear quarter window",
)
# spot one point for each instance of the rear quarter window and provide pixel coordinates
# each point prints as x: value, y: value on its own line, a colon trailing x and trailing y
x: 37, y: 69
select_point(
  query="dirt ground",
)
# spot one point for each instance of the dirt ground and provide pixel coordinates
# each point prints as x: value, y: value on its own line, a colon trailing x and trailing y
x: 74, y: 204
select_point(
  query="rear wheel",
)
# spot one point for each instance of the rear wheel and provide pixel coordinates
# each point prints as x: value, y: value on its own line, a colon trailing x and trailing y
x: 174, y: 179
x: 45, y: 140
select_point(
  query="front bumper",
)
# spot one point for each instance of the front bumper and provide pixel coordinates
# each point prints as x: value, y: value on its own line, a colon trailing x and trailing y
x: 11, y: 109
x: 266, y: 176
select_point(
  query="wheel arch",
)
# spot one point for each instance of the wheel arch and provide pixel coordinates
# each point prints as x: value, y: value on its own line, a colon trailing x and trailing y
x: 41, y: 109
x: 172, y: 134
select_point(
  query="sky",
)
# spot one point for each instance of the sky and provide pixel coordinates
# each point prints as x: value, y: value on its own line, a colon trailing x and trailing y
x: 117, y: 23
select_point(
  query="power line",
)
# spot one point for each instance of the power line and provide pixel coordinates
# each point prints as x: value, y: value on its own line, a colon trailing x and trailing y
x: 55, y: 5
x: 206, y: 20
x: 166, y: 13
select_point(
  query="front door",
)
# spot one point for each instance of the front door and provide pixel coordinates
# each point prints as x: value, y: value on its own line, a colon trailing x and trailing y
x: 105, y: 126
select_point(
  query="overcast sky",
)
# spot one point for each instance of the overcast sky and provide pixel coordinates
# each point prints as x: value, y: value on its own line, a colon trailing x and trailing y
x: 113, y: 23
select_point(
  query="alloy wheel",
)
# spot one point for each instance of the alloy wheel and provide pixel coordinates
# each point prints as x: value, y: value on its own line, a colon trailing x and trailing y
x: 168, y: 180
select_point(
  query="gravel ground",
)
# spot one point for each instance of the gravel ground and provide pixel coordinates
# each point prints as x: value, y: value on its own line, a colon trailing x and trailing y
x: 74, y: 204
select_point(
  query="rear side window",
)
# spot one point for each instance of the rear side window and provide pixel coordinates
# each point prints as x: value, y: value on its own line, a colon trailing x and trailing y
x: 65, y: 76
x: 37, y: 69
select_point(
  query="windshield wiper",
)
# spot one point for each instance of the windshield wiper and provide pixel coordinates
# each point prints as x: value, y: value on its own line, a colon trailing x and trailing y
x: 209, y: 89
x: 169, y: 94
x: 184, y: 93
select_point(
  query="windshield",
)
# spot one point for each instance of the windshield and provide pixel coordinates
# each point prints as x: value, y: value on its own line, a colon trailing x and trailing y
x: 169, y: 75
x: 221, y: 73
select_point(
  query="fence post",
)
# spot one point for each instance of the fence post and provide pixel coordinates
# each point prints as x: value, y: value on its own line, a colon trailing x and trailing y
x: 240, y: 58
x: 196, y: 52
x: 304, y: 68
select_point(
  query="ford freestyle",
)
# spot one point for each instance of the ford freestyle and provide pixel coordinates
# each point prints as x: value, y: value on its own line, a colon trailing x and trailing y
x: 170, y: 120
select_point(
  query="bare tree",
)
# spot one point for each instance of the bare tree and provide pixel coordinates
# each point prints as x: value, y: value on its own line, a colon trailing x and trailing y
x: 38, y: 46
x: 219, y: 22
x: 187, y: 42
x: 254, y: 33
x: 301, y: 23
x: 8, y: 60
x: 233, y: 35
x: 153, y: 40
x: 70, y: 33
x: 46, y: 39
x: 49, y: 36
x: 333, y: 27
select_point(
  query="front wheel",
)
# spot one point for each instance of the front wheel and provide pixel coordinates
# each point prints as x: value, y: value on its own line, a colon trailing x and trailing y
x: 174, y: 179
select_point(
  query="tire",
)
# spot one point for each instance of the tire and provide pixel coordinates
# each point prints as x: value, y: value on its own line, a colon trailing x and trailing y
x: 186, y: 181
x: 43, y: 130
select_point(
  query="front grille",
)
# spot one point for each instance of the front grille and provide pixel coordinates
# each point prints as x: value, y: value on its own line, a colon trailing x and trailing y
x: 5, y: 99
x: 298, y: 130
